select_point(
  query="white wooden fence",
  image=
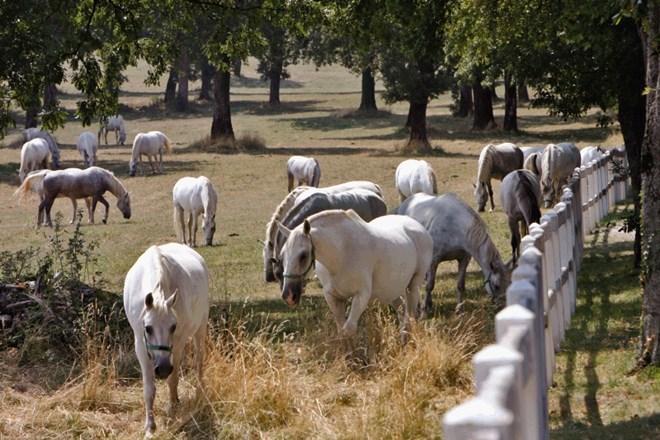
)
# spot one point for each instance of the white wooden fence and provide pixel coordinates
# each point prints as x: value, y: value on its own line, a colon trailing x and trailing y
x: 513, y: 374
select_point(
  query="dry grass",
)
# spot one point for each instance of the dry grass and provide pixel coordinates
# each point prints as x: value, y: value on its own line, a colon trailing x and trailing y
x: 271, y: 372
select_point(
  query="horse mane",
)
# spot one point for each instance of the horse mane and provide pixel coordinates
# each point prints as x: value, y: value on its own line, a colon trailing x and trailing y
x: 213, y: 197
x: 348, y: 213
x: 485, y: 163
x: 285, y: 204
x: 546, y: 163
x: 163, y: 273
x: 115, y: 185
x: 477, y: 234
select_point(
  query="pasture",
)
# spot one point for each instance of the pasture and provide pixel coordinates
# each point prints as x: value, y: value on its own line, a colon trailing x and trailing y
x: 271, y: 371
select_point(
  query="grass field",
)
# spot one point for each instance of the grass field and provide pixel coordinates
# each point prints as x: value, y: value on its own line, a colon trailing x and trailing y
x: 274, y: 372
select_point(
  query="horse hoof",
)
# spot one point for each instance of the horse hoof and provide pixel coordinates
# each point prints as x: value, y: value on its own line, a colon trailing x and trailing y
x: 105, y: 222
x: 459, y: 309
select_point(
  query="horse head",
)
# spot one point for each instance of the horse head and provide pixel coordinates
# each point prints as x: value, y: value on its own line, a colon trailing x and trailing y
x: 298, y: 262
x: 208, y: 225
x: 497, y: 280
x: 158, y: 327
x: 124, y: 205
x: 122, y: 136
x: 132, y: 167
x: 548, y: 192
x: 481, y: 195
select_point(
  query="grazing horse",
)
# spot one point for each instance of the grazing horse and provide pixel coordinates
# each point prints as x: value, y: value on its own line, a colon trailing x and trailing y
x: 75, y: 183
x: 559, y: 162
x: 305, y: 170
x: 34, y: 182
x: 413, y: 176
x: 495, y: 161
x: 34, y: 155
x: 459, y: 233
x: 340, y: 187
x: 363, y: 202
x: 195, y: 196
x: 520, y: 197
x: 166, y: 300
x: 356, y: 261
x: 150, y: 144
x: 116, y: 124
x: 271, y: 228
x: 87, y: 146
x: 589, y: 154
x: 32, y: 133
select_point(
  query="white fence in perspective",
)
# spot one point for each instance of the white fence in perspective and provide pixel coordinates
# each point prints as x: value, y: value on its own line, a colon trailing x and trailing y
x: 513, y: 374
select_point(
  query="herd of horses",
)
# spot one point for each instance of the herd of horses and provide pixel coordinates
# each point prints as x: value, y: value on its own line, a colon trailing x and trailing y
x: 344, y: 235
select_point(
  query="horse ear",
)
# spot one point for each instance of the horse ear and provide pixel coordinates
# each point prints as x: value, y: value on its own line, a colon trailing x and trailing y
x: 283, y: 230
x: 307, y: 227
x: 172, y: 299
x: 149, y: 301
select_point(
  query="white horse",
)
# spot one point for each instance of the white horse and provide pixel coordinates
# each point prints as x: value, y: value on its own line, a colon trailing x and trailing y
x: 87, y: 145
x: 340, y: 187
x: 32, y: 133
x: 495, y: 161
x: 520, y: 197
x: 459, y: 233
x: 532, y: 159
x: 559, y: 162
x: 305, y: 170
x: 89, y: 184
x: 384, y: 260
x: 166, y: 300
x: 195, y: 196
x: 35, y: 182
x: 589, y: 154
x: 34, y: 155
x: 413, y: 176
x: 149, y: 144
x: 116, y: 124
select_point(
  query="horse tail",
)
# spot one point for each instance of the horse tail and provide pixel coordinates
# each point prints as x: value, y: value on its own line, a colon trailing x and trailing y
x: 316, y: 176
x: 33, y: 182
x: 434, y: 181
x: 167, y: 144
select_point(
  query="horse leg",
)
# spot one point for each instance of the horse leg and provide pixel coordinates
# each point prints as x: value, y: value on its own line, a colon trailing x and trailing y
x: 191, y: 237
x: 430, y: 285
x: 411, y: 304
x: 173, y: 378
x: 148, y: 385
x: 200, y: 353
x: 460, y: 282
x: 290, y: 182
x: 160, y: 161
x: 90, y: 211
x: 107, y: 208
x: 359, y: 304
x: 515, y: 237
x: 338, y: 308
x: 490, y: 195
x: 74, y: 202
x: 194, y: 217
x: 178, y: 212
x: 151, y: 164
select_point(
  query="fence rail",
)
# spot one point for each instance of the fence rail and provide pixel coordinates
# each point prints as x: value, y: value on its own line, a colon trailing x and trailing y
x: 513, y: 374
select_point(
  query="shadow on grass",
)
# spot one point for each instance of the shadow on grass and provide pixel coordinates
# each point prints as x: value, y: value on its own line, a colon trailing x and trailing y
x: 605, y: 319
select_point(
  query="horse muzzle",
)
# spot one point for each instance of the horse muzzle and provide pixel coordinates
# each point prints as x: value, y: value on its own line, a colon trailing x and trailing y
x: 162, y: 368
x: 291, y: 293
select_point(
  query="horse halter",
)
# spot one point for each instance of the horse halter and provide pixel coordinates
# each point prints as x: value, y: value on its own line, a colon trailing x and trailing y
x: 489, y: 283
x: 312, y: 265
x: 151, y: 347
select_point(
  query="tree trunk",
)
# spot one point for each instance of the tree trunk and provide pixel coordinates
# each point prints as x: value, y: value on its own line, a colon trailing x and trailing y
x: 368, y: 95
x: 510, y: 106
x: 221, y: 127
x: 523, y: 93
x: 632, y: 118
x: 182, y: 94
x: 50, y: 95
x: 418, y: 140
x: 31, y: 117
x: 207, y: 79
x: 275, y: 77
x: 651, y: 196
x: 483, y: 108
x: 465, y: 102
x: 170, y: 87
